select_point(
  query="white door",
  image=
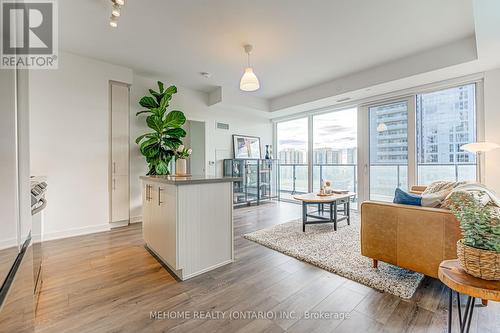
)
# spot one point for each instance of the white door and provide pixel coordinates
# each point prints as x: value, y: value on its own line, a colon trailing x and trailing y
x: 119, y: 152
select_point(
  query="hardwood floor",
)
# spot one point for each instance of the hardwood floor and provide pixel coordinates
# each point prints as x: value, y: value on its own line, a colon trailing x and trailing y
x: 108, y: 282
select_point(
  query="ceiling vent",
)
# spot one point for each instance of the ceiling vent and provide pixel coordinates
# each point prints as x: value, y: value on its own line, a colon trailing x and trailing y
x: 222, y: 126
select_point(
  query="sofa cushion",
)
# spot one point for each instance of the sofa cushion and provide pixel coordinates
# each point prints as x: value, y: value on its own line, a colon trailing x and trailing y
x: 401, y: 197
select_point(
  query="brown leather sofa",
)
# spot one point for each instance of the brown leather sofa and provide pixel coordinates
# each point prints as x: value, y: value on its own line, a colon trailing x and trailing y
x: 412, y: 237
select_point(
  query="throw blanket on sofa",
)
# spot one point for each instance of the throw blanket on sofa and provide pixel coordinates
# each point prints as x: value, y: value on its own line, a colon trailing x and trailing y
x: 439, y: 193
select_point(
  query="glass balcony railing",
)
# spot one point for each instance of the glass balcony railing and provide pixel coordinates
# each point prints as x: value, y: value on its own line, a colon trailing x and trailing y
x: 427, y: 173
x: 294, y: 178
x: 385, y: 178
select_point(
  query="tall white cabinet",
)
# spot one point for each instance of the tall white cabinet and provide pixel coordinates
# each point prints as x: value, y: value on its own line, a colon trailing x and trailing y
x: 119, y: 144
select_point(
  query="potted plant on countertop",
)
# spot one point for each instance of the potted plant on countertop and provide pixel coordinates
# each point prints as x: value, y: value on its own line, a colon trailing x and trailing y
x: 160, y: 145
x: 181, y: 155
x: 479, y: 250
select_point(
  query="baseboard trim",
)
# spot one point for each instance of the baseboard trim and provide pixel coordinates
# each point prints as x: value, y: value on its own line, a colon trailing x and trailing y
x: 76, y: 232
x: 119, y: 224
x: 136, y: 219
x: 6, y: 243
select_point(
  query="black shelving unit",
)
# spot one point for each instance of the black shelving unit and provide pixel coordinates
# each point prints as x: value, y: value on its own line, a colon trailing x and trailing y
x: 259, y: 180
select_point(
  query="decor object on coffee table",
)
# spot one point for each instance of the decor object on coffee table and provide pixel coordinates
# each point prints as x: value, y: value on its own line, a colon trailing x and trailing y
x: 159, y: 146
x: 181, y: 154
x: 246, y: 146
x: 457, y: 279
x: 479, y: 250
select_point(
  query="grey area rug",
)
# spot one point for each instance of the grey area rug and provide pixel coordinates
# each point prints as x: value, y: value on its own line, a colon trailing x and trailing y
x: 338, y: 252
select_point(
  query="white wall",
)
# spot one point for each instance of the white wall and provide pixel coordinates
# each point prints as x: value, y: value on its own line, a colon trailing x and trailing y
x: 194, y: 105
x: 8, y: 168
x: 70, y: 141
x: 492, y: 127
x: 70, y: 138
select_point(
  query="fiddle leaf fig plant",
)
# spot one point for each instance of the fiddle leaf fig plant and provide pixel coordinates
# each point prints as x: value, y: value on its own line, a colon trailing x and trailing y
x: 160, y: 145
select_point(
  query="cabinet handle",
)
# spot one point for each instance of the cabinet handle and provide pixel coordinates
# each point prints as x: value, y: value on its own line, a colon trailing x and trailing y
x: 114, y: 167
x: 159, y: 196
x: 114, y: 184
x: 147, y: 192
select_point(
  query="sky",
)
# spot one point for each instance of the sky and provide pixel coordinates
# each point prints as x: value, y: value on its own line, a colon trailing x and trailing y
x: 334, y: 130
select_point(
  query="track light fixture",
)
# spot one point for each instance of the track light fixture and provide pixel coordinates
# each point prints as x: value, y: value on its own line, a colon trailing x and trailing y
x: 115, y: 12
x: 113, y: 21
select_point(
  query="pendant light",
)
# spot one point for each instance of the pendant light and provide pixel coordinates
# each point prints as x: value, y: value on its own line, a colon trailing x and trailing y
x: 249, y: 81
x: 382, y: 127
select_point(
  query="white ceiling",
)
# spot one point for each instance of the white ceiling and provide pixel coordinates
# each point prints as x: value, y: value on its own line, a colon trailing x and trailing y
x: 297, y: 44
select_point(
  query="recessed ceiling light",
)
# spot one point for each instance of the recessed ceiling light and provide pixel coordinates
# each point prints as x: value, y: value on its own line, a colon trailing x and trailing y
x: 206, y: 75
x: 113, y: 21
x: 116, y: 10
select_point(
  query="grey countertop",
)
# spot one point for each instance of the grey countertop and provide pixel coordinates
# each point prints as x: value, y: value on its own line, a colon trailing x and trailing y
x: 187, y: 180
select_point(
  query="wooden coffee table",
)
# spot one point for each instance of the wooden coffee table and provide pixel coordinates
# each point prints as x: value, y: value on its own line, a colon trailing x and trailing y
x: 325, y: 216
x: 452, y: 275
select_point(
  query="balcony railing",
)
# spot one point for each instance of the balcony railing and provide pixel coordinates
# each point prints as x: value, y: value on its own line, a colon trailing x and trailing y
x: 294, y: 177
x: 384, y: 179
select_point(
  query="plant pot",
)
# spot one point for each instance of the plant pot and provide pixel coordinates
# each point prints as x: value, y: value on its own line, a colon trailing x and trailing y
x: 180, y: 167
x: 480, y: 263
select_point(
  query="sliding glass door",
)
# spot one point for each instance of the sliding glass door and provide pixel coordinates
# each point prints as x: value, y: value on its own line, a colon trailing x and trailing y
x: 292, y: 151
x: 418, y: 140
x: 335, y: 149
x: 388, y: 152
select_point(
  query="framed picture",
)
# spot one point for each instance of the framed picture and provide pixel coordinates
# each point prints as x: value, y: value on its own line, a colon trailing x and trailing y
x: 246, y: 146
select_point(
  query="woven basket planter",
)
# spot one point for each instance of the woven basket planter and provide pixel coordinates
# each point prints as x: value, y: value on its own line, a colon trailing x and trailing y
x: 479, y: 263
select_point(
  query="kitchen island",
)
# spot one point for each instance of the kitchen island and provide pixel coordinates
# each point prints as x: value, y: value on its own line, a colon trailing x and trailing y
x: 188, y: 222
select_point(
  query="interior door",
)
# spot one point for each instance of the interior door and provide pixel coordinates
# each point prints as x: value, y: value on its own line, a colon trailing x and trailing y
x: 195, y: 139
x: 119, y: 152
x: 391, y: 148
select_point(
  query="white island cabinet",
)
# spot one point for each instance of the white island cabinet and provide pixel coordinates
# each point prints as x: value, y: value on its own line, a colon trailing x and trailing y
x: 188, y: 222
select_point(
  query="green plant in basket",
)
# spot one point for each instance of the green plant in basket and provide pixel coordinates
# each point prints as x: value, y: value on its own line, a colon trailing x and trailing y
x: 160, y: 145
x: 480, y: 224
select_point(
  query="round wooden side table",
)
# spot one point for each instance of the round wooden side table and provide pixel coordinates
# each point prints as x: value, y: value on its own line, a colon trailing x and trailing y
x: 453, y: 276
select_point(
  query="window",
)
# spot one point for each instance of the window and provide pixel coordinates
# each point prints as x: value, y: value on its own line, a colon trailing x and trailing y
x: 292, y: 142
x: 388, y: 149
x: 414, y: 139
x: 445, y: 122
x: 335, y: 149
